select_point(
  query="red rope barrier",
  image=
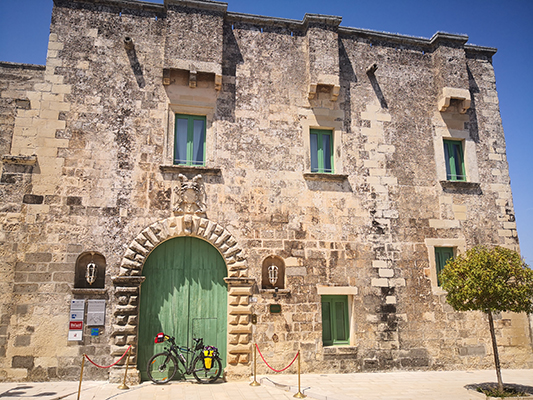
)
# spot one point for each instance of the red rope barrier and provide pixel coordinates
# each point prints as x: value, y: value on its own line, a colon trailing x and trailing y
x: 275, y: 370
x: 109, y: 366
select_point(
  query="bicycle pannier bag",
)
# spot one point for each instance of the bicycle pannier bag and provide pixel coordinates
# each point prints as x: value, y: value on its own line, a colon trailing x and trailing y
x: 208, y: 358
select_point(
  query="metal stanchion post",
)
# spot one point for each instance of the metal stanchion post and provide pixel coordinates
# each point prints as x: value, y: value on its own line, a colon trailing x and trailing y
x: 299, y: 395
x: 255, y: 383
x: 124, y: 386
x: 81, y: 375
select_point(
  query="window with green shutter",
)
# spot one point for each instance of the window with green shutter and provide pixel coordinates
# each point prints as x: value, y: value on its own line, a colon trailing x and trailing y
x: 442, y: 255
x: 189, y: 143
x: 335, y: 323
x: 321, y: 151
x: 454, y: 157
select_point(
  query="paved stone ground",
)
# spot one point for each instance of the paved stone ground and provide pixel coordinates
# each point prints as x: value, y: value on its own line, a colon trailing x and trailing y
x: 445, y: 385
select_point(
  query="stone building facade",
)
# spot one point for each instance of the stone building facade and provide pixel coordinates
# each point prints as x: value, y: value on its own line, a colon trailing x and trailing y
x: 327, y: 166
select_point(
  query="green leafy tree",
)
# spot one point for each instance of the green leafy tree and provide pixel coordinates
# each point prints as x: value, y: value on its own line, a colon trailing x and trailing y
x: 489, y: 280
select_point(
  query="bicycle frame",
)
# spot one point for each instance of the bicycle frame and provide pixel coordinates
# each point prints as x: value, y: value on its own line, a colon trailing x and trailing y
x: 179, y: 351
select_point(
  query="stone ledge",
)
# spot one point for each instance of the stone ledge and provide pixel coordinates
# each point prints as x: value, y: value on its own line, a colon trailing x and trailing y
x: 19, y: 160
x: 461, y: 186
x: 89, y: 291
x: 313, y: 176
x: 178, y: 169
x: 275, y: 293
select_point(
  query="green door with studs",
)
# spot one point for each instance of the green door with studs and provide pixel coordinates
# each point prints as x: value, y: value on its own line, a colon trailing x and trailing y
x: 184, y: 295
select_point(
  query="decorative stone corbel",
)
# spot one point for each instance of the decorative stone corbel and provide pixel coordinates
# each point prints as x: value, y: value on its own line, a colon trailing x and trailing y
x: 312, y: 91
x: 166, y: 77
x: 335, y: 90
x: 449, y: 93
x: 218, y: 82
x: 193, y: 74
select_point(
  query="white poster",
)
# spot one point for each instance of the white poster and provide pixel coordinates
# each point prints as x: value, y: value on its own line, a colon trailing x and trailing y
x: 95, y: 312
x: 75, y: 335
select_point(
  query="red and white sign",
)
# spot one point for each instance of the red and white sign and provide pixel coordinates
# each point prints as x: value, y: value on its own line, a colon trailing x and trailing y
x: 75, y: 325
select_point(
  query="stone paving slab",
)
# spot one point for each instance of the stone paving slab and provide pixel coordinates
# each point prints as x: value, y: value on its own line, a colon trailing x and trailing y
x: 438, y: 385
x: 433, y: 385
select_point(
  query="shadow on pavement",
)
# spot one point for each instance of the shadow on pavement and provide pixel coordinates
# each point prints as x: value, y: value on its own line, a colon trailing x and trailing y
x: 20, y: 391
x: 493, y: 385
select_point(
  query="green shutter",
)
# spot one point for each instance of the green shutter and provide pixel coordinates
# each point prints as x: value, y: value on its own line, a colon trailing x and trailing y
x: 442, y: 255
x: 454, y: 157
x: 184, y: 295
x: 335, y: 323
x: 321, y: 151
x: 327, y: 338
x: 189, y: 140
x: 340, y: 321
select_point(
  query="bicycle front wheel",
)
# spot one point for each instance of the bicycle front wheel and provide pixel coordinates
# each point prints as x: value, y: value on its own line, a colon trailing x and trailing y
x: 205, y: 375
x: 161, y: 368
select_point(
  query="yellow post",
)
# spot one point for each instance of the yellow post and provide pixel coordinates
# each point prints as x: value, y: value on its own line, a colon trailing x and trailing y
x: 81, y: 375
x: 299, y: 395
x: 124, y: 386
x: 255, y: 383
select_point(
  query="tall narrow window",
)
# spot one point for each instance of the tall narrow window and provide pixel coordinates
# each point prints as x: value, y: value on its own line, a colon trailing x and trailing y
x: 335, y: 323
x: 189, y: 146
x: 455, y: 166
x: 321, y: 151
x: 442, y: 255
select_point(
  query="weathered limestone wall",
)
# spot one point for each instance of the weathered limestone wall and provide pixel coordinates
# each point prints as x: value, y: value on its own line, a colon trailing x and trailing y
x: 100, y: 127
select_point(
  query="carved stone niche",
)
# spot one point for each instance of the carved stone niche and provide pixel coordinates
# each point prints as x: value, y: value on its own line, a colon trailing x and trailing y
x: 90, y: 266
x: 273, y: 273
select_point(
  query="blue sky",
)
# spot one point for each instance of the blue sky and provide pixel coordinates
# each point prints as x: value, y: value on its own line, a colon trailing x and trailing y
x: 506, y: 25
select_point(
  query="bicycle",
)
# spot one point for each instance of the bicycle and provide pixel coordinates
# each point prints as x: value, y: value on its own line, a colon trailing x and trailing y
x: 205, y: 364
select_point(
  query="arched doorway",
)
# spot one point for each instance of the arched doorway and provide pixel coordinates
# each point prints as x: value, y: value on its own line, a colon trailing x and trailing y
x: 183, y: 295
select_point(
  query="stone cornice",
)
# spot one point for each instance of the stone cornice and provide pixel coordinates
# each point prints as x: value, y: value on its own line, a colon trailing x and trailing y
x: 330, y: 20
x: 7, y: 64
x: 200, y: 4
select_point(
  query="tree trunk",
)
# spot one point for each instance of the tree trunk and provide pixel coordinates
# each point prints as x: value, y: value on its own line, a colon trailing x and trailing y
x: 495, y: 350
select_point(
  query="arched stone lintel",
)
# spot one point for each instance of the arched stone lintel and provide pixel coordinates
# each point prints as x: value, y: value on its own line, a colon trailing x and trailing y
x: 185, y: 225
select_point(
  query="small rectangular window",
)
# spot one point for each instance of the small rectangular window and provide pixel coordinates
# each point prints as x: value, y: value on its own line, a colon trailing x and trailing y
x: 189, y: 144
x: 454, y: 157
x: 335, y: 323
x: 442, y: 255
x: 321, y: 151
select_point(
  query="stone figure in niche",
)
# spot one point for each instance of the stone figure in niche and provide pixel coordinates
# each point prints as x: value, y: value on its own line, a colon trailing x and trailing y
x: 190, y: 196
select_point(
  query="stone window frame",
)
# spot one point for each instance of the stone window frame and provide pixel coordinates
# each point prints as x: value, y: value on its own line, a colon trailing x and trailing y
x: 469, y: 154
x: 350, y: 292
x: 327, y: 120
x: 459, y: 246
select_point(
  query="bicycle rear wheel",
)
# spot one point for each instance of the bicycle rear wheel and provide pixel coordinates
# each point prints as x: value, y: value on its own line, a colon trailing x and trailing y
x: 162, y: 367
x: 205, y: 375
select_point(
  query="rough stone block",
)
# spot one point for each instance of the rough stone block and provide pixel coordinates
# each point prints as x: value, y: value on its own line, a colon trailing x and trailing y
x: 22, y: 362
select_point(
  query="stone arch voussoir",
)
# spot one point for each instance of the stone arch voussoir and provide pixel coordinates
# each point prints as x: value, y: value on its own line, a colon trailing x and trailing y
x: 186, y: 225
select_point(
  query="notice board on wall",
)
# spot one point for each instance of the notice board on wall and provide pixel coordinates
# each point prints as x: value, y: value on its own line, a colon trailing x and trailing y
x: 95, y: 312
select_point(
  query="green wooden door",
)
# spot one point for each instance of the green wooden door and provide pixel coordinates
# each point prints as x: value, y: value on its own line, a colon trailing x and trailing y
x: 184, y: 295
